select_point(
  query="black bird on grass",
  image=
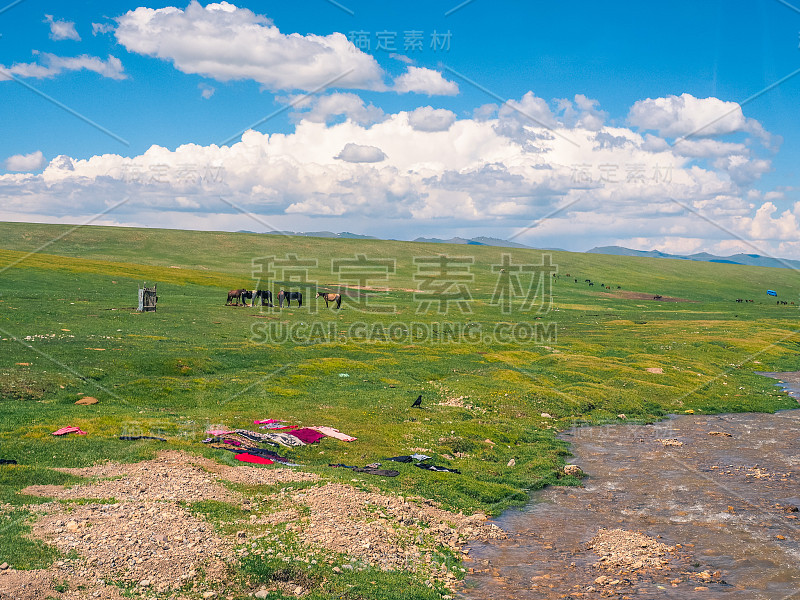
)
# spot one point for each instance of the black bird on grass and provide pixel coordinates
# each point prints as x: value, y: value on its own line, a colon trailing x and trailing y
x: 417, y: 402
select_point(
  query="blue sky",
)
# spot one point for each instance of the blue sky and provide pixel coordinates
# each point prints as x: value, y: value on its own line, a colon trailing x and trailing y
x: 595, y: 94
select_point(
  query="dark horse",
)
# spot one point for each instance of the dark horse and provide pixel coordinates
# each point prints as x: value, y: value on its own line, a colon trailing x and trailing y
x: 289, y: 296
x: 239, y: 295
x: 330, y: 297
x: 265, y: 295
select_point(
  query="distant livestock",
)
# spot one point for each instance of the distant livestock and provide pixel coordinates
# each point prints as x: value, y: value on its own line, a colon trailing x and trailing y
x: 329, y: 297
x: 239, y: 295
x: 289, y: 296
x: 265, y: 295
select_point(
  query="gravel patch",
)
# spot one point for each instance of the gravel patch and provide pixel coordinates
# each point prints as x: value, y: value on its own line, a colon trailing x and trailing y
x: 620, y: 549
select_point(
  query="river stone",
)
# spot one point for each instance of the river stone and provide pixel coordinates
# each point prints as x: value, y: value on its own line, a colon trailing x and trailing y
x: 87, y: 400
x: 573, y: 470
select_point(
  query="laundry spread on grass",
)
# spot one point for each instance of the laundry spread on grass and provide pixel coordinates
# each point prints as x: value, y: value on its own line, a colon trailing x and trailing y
x: 307, y: 436
x: 7, y: 461
x: 252, y: 458
x: 437, y: 468
x: 402, y: 459
x: 334, y: 433
x: 273, y: 432
x: 368, y: 470
x: 409, y: 458
x: 69, y: 429
x: 284, y: 439
x: 277, y: 431
x: 277, y: 458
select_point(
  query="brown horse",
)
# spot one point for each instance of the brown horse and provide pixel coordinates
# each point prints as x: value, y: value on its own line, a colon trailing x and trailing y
x: 239, y: 295
x: 330, y: 297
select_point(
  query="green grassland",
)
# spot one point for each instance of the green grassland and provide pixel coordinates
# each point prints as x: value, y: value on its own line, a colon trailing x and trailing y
x: 67, y: 329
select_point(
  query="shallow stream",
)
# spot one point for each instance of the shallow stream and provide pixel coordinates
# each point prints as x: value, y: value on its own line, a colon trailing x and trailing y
x: 725, y: 488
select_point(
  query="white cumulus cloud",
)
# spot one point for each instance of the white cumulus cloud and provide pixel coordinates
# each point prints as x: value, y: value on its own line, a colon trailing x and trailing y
x: 206, y: 91
x: 497, y: 174
x: 102, y: 28
x: 326, y: 108
x: 224, y: 42
x: 427, y: 118
x: 676, y: 116
x: 51, y: 65
x: 25, y: 162
x: 62, y: 30
x: 356, y: 153
x: 421, y: 80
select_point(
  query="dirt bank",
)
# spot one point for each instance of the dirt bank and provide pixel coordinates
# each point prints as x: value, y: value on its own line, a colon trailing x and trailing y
x: 137, y: 526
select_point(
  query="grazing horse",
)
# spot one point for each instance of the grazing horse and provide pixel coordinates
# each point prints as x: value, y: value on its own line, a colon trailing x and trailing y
x: 265, y: 295
x: 330, y: 297
x: 289, y: 296
x: 239, y: 295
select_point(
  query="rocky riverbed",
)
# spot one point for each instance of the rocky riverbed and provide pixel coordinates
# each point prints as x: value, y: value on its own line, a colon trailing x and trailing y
x: 702, y: 507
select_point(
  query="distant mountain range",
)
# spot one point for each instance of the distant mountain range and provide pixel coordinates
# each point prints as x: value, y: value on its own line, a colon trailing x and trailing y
x: 320, y: 234
x: 755, y: 260
x: 478, y: 241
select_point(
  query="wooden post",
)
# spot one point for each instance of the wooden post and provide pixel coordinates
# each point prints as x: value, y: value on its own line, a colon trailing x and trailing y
x: 147, y: 299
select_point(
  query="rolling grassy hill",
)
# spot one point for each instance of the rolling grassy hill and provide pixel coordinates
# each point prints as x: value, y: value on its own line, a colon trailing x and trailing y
x: 67, y: 330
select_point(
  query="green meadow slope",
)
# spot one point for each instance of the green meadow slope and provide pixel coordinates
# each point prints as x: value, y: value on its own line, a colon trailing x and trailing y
x: 68, y: 330
x: 194, y: 356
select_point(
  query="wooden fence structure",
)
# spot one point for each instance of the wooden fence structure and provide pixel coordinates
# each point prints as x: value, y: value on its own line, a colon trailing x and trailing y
x: 147, y: 298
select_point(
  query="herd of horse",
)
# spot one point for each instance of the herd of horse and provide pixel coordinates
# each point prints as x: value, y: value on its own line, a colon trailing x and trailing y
x: 235, y: 297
